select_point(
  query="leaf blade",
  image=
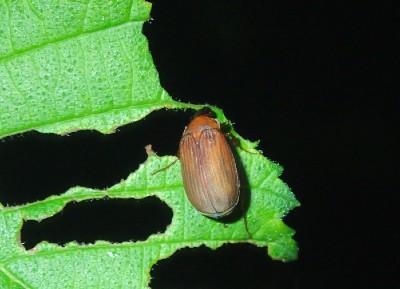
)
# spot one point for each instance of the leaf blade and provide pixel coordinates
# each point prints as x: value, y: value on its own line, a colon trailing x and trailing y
x: 86, y: 65
x: 99, y: 77
x: 187, y: 229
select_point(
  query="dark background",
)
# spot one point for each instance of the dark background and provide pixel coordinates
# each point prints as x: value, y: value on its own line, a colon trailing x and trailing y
x: 311, y: 80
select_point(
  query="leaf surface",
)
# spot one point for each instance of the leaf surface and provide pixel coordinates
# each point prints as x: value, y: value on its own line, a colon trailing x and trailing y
x: 86, y: 65
x: 75, y: 66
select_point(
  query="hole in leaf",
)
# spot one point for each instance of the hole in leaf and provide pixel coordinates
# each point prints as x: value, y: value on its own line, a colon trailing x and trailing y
x: 114, y: 220
x: 231, y: 266
x: 34, y: 166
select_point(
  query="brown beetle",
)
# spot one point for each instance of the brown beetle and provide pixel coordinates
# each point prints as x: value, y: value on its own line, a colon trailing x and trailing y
x: 208, y: 167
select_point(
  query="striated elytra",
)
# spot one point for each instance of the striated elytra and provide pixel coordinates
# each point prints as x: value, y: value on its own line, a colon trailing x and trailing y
x: 208, y: 167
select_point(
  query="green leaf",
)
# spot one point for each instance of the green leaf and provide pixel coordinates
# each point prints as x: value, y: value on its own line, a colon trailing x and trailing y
x: 75, y: 66
x: 86, y: 65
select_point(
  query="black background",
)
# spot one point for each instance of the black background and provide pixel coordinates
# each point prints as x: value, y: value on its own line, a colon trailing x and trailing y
x: 311, y: 80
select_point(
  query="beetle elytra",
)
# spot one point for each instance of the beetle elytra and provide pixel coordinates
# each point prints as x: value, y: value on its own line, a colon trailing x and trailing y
x: 208, y: 166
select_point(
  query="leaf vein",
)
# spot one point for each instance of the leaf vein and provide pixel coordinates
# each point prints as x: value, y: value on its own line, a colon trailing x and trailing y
x: 14, y: 278
x: 68, y: 37
x: 149, y: 243
x: 154, y: 105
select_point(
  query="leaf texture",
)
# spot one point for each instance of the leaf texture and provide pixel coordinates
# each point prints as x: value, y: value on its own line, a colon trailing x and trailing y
x: 75, y: 65
x: 127, y: 265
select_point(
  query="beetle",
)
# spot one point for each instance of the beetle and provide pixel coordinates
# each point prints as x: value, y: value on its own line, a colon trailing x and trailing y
x: 208, y: 166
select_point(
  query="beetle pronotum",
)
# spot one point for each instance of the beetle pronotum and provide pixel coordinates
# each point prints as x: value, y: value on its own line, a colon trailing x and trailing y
x: 209, y: 171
